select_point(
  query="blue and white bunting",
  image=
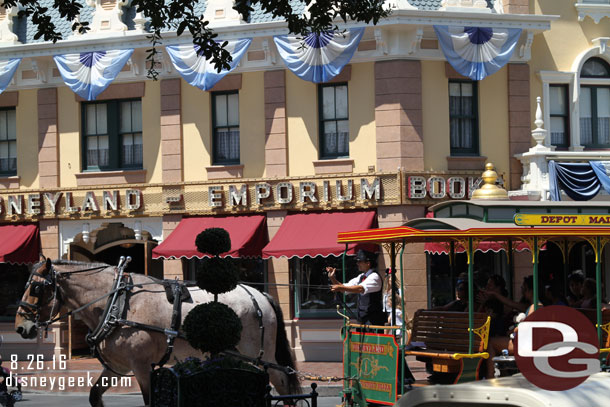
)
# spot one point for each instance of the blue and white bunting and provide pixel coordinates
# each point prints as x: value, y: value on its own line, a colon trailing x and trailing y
x: 477, y: 52
x: 318, y: 57
x: 198, y: 71
x: 89, y: 73
x: 7, y: 71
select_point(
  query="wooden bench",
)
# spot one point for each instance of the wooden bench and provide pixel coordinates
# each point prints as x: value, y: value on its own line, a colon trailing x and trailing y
x: 444, y: 339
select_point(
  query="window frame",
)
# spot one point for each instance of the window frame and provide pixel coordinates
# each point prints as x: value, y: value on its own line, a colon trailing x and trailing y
x: 321, y: 121
x: 113, y: 120
x: 594, y: 129
x: 475, y: 150
x: 215, y: 159
x: 566, y: 116
x: 10, y: 173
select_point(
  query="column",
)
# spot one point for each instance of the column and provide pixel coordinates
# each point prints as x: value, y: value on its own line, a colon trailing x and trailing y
x: 516, y: 6
x: 519, y: 119
x: 171, y: 268
x: 48, y: 146
x: 276, y: 148
x: 171, y: 130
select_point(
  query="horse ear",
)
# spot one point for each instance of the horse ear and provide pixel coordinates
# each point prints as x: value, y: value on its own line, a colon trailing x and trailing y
x: 42, y: 257
x: 47, y: 266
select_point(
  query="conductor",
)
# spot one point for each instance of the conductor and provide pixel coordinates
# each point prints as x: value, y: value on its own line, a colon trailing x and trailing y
x: 367, y: 285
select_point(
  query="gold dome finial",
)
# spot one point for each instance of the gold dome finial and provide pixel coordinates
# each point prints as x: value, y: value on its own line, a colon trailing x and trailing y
x: 489, y: 189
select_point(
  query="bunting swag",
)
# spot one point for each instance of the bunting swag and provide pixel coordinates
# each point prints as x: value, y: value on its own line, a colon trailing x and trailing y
x: 580, y: 181
x: 89, y: 73
x: 477, y: 52
x: 7, y: 71
x: 318, y: 57
x: 199, y: 72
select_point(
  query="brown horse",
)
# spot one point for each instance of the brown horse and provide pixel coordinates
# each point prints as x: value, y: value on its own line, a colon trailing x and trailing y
x: 60, y: 285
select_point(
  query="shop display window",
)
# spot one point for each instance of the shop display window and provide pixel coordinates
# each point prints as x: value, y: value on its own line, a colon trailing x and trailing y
x: 252, y: 272
x: 12, y: 284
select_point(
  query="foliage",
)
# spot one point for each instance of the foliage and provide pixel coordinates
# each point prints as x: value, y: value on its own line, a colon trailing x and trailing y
x: 217, y: 275
x: 212, y: 327
x: 213, y: 241
x: 179, y: 15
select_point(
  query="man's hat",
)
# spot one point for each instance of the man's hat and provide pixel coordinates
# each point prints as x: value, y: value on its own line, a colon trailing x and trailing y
x: 363, y: 255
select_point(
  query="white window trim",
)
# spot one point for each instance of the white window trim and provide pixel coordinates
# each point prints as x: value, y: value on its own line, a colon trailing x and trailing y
x: 594, y: 10
x: 573, y: 79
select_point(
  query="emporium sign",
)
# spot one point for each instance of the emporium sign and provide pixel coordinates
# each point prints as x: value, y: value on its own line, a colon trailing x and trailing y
x: 231, y: 195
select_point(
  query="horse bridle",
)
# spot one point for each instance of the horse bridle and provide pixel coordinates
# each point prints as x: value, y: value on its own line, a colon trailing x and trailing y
x: 37, y: 289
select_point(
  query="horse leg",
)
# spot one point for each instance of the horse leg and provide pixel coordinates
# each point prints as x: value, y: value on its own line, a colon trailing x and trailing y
x: 142, y: 375
x: 95, y: 395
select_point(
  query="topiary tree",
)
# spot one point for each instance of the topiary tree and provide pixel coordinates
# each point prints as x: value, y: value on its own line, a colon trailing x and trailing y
x: 213, y: 326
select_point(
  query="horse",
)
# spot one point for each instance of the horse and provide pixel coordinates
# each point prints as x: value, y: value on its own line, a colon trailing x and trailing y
x: 69, y: 285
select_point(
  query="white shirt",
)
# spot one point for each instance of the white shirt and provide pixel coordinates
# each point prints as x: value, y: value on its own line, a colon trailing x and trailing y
x: 371, y: 283
x: 387, y: 301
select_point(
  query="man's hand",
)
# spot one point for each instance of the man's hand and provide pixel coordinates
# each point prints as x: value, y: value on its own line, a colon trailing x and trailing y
x: 331, y: 275
x: 337, y: 288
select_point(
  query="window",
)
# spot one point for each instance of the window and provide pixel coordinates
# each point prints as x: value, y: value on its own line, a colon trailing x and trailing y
x: 313, y: 298
x: 595, y: 105
x: 463, y: 118
x: 8, y: 142
x: 225, y: 113
x: 12, y: 283
x: 112, y: 135
x: 334, y: 121
x: 560, y: 124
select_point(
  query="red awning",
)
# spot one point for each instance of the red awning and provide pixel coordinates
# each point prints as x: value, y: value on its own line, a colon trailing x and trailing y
x: 248, y: 236
x: 315, y: 234
x: 19, y: 244
x: 485, y: 246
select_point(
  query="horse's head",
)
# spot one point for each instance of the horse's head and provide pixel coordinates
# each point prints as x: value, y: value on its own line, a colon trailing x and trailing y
x: 40, y: 300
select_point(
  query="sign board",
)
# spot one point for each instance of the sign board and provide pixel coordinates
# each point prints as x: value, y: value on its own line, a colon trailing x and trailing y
x: 561, y: 220
x: 374, y: 359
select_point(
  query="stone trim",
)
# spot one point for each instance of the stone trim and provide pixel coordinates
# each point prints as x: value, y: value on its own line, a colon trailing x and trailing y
x: 225, y: 171
x: 276, y: 143
x: 9, y: 99
x: 451, y: 73
x: 12, y: 182
x: 229, y: 82
x: 172, y: 268
x: 516, y: 7
x: 119, y: 91
x: 519, y: 119
x: 171, y: 130
x: 466, y: 163
x: 49, y: 237
x: 48, y: 150
x: 334, y: 166
x: 110, y: 177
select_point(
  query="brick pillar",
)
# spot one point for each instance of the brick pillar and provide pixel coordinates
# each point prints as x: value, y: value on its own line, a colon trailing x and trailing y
x: 516, y: 6
x: 276, y: 148
x: 519, y: 118
x: 278, y: 271
x: 171, y: 131
x: 49, y: 237
x: 414, y: 258
x: 48, y: 150
x: 171, y: 268
x: 398, y: 115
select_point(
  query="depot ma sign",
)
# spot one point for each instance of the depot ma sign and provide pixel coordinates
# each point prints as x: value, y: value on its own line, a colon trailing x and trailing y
x: 231, y: 195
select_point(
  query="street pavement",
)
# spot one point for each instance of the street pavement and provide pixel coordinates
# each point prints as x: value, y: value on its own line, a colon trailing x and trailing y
x: 112, y: 400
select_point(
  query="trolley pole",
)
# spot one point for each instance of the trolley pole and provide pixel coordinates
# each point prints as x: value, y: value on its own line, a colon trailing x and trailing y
x: 535, y: 255
x: 598, y: 287
x: 470, y: 295
x: 393, y: 280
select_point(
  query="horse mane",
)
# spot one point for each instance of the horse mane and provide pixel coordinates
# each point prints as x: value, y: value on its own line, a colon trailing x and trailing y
x: 63, y: 262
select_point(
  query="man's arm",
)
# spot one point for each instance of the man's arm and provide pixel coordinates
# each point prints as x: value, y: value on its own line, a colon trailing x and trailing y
x: 342, y: 288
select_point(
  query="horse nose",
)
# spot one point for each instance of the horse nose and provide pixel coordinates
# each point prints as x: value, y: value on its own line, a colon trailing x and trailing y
x: 20, y: 330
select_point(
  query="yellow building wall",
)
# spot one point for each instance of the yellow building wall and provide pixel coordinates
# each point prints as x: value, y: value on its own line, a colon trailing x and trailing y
x: 302, y: 113
x: 493, y: 117
x: 27, y: 138
x: 69, y: 126
x: 197, y: 128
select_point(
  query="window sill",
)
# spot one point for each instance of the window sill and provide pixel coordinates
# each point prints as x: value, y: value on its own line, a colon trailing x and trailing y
x: 595, y: 11
x: 466, y: 162
x: 10, y: 181
x: 91, y: 178
x: 333, y: 166
x: 225, y: 171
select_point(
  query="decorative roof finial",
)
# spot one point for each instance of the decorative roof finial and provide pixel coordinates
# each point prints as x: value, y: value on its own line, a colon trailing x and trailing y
x: 489, y: 189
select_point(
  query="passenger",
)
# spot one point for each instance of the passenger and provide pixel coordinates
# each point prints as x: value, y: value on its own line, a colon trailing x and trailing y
x: 553, y: 296
x: 575, y: 282
x: 387, y: 299
x: 499, y: 343
x: 589, y: 299
x: 460, y: 304
x: 367, y: 285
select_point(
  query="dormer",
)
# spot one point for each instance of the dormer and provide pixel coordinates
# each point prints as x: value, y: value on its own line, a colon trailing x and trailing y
x: 107, y: 16
x: 220, y: 12
x: 7, y: 36
x: 477, y: 6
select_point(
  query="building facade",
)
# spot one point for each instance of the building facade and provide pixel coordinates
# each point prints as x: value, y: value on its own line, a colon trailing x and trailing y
x: 397, y: 130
